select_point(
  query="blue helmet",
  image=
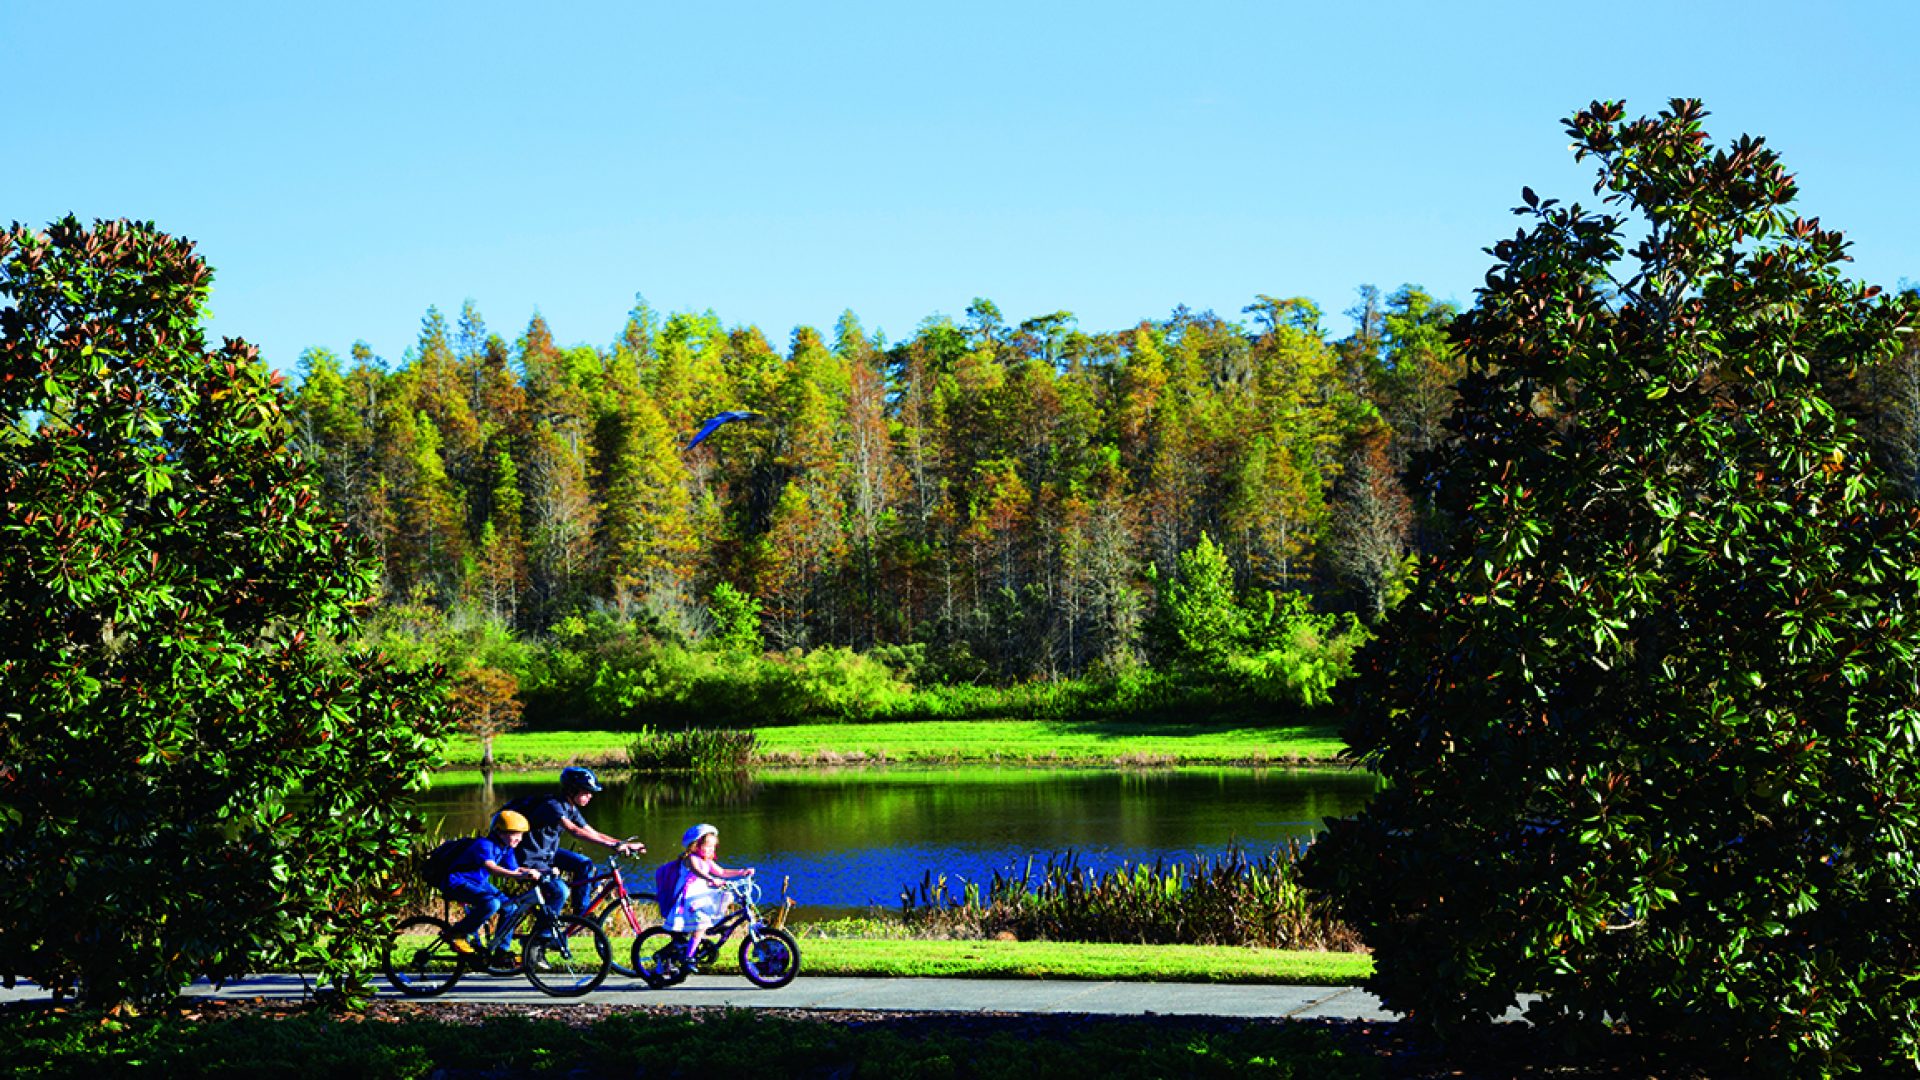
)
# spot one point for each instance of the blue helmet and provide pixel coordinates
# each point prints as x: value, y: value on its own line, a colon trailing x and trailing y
x: 575, y: 778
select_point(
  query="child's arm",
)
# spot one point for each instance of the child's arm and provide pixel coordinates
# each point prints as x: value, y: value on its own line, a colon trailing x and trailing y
x: 519, y: 872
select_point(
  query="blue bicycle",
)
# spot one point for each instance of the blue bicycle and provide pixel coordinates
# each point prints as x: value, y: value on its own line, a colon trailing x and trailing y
x: 564, y: 957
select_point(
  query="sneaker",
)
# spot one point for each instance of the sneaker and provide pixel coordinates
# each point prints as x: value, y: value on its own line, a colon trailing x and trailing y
x: 503, y: 962
x: 463, y: 946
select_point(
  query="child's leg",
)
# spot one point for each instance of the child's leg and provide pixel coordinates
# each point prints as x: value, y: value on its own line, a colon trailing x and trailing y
x: 693, y: 941
x: 481, y: 905
x: 577, y: 868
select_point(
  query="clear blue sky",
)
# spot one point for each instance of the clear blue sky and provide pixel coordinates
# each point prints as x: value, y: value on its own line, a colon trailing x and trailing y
x: 345, y: 165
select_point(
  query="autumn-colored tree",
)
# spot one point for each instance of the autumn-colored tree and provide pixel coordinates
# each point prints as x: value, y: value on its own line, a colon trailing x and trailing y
x: 485, y: 703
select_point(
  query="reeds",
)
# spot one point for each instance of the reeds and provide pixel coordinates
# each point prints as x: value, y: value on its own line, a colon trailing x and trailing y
x: 701, y: 750
x: 1230, y: 899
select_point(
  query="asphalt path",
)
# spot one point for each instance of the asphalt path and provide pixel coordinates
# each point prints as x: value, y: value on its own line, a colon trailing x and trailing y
x: 891, y: 995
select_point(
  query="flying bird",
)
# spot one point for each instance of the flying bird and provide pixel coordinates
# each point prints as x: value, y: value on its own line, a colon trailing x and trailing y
x: 713, y: 425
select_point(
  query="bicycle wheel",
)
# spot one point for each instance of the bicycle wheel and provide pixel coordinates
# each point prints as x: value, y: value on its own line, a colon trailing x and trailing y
x: 658, y: 957
x: 621, y: 933
x: 770, y: 959
x: 420, y: 960
x: 569, y: 962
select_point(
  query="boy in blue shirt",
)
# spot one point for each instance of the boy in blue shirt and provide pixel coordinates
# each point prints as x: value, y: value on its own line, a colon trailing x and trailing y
x: 469, y: 877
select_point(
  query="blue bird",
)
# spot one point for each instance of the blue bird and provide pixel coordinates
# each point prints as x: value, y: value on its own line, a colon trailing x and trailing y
x: 713, y: 425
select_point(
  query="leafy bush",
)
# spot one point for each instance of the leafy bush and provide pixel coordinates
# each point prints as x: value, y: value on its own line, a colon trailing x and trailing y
x: 1649, y: 720
x: 196, y: 775
x: 600, y: 672
x: 1229, y: 900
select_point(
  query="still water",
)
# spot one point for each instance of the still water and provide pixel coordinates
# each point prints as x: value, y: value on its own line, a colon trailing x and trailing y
x: 855, y: 838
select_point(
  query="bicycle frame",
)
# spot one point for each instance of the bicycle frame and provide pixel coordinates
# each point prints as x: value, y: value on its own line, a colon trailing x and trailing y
x: 613, y: 892
x: 508, y: 919
x: 746, y: 913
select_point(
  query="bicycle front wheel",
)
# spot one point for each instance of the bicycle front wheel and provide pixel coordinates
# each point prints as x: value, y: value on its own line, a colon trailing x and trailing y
x: 770, y: 959
x: 573, y: 959
x: 420, y: 960
x: 622, y: 932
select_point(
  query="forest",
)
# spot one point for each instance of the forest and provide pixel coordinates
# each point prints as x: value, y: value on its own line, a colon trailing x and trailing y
x: 983, y: 503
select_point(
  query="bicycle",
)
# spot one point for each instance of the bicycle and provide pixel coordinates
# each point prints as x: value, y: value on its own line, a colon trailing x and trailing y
x: 638, y: 910
x: 769, y: 955
x: 564, y: 957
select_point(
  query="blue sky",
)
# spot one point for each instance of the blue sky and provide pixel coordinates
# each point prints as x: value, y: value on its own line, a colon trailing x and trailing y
x: 343, y: 166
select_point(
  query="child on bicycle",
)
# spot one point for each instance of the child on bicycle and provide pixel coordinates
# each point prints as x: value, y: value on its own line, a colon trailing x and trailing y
x: 469, y: 877
x: 699, y: 900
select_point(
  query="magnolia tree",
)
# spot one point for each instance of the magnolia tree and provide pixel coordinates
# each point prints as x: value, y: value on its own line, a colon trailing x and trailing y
x: 196, y: 776
x: 1650, y: 721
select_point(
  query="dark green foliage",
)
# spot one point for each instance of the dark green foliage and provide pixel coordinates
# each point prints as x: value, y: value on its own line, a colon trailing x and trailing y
x: 1230, y: 900
x: 737, y: 1042
x: 692, y: 750
x: 1649, y: 717
x: 602, y: 673
x: 736, y: 618
x: 194, y: 778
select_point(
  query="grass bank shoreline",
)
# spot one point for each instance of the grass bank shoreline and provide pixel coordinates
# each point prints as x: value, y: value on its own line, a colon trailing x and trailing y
x: 953, y: 742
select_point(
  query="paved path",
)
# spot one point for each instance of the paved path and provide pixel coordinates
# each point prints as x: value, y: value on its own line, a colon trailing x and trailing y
x: 908, y: 995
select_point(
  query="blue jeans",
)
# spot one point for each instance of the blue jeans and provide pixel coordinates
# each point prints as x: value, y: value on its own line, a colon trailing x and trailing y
x: 576, y: 868
x: 483, y: 902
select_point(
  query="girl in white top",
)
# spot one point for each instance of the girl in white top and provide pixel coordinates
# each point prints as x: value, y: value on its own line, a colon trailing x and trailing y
x: 701, y: 901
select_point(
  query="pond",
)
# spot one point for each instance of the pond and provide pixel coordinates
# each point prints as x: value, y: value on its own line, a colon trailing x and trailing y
x: 850, y: 839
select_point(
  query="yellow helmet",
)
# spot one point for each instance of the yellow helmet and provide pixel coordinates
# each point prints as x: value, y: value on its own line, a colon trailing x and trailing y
x: 510, y: 821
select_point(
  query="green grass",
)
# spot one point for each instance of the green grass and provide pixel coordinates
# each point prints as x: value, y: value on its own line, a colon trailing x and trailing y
x: 887, y: 957
x: 1078, y: 960
x: 1045, y: 742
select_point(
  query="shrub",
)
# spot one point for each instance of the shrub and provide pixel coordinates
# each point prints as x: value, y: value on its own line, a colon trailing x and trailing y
x: 1648, y: 719
x: 702, y: 750
x: 196, y: 775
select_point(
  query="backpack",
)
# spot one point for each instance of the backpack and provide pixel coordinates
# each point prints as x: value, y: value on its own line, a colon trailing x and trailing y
x: 437, y: 865
x: 668, y: 879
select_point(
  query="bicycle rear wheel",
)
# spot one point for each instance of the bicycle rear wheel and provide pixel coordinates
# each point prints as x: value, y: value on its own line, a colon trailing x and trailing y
x: 420, y: 960
x: 621, y: 933
x: 570, y: 961
x: 659, y: 956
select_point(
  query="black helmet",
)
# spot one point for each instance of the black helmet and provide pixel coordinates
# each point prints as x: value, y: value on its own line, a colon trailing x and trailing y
x: 575, y: 778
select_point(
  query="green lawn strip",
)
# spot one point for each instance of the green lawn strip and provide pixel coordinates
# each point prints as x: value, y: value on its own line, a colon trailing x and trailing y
x: 913, y: 957
x: 1079, y: 960
x: 955, y: 741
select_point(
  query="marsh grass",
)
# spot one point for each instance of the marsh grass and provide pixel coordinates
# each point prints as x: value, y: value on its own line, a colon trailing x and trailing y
x: 698, y: 750
x: 1231, y: 899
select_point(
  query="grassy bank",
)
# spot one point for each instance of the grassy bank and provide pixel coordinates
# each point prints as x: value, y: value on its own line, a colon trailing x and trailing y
x: 1037, y: 742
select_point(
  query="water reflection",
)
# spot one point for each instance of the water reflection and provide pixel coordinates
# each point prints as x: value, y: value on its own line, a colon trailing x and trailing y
x: 646, y: 794
x: 854, y: 838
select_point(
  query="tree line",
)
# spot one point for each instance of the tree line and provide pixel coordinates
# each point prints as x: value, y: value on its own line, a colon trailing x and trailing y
x: 1007, y: 495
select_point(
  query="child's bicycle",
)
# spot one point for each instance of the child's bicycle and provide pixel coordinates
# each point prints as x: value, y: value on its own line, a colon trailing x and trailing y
x: 566, y: 957
x: 769, y: 956
x: 622, y: 915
